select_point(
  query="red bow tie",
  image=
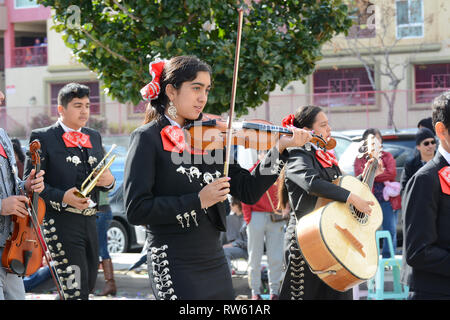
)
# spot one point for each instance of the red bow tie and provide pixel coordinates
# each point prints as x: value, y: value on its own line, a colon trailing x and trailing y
x: 75, y: 139
x: 174, y: 141
x: 2, y: 152
x: 444, y: 178
x: 326, y: 159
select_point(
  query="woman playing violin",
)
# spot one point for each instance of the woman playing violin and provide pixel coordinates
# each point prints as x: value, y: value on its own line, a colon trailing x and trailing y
x: 308, y: 175
x: 182, y: 203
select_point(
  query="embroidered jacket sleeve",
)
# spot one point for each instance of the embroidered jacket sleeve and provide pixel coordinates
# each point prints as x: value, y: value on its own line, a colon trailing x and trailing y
x: 250, y: 187
x: 142, y: 205
x: 302, y: 169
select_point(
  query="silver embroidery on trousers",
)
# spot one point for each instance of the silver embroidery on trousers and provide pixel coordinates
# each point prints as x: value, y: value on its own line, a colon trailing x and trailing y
x: 161, y: 272
x: 296, y: 266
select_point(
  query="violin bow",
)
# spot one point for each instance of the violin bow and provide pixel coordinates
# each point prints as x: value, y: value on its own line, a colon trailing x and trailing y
x: 233, y: 93
x: 47, y: 255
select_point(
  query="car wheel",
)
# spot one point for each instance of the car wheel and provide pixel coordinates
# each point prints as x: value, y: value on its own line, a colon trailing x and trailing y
x: 117, y: 238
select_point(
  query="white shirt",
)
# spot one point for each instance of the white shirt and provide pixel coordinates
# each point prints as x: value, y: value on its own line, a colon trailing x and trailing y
x: 66, y: 128
x: 444, y: 153
x: 173, y: 122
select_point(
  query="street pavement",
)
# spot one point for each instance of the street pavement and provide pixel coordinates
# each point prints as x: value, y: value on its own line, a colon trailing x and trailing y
x: 135, y: 285
x: 131, y: 285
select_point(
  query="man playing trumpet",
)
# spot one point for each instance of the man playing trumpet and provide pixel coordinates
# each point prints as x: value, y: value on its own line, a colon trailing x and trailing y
x: 70, y: 152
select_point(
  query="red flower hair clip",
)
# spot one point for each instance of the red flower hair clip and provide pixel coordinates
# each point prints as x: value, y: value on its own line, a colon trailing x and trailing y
x: 288, y: 121
x: 151, y: 90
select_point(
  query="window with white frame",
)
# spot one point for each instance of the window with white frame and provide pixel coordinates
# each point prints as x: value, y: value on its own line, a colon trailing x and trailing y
x: 22, y: 4
x: 410, y: 19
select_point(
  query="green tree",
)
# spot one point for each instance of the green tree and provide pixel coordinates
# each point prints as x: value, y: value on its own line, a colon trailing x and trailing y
x: 281, y: 41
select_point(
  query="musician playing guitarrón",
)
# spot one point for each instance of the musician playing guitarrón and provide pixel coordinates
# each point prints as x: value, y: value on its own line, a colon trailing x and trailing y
x: 70, y: 152
x: 308, y: 175
x: 182, y: 203
x: 12, y: 203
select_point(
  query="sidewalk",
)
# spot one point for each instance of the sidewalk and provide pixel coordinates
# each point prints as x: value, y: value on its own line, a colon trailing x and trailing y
x: 132, y: 285
x: 135, y: 285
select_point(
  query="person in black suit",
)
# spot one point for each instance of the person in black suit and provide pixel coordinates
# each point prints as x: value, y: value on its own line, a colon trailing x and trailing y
x: 426, y: 203
x: 308, y: 175
x: 178, y: 192
x: 70, y: 152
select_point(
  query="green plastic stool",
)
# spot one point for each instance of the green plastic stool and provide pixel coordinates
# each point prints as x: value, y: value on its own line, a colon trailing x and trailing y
x: 375, y: 285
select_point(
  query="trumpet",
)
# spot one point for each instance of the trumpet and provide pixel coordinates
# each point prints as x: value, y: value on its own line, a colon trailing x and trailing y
x: 90, y: 182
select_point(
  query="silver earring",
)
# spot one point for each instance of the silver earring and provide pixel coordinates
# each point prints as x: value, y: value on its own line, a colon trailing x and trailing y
x: 172, y: 111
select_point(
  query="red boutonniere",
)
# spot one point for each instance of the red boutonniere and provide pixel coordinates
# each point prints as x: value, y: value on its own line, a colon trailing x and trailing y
x: 444, y: 178
x: 288, y: 121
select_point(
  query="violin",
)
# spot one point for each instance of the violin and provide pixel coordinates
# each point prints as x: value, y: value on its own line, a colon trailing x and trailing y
x: 210, y: 134
x: 23, y: 254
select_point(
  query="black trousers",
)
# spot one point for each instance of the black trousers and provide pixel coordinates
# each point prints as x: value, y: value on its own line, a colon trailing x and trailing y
x: 76, y: 252
x: 422, y: 295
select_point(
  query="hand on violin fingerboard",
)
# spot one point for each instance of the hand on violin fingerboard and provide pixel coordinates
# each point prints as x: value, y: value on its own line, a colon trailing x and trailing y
x: 298, y: 139
x: 35, y: 182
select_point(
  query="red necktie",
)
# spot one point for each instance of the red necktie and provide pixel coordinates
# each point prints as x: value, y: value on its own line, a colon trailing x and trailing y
x: 75, y: 139
x: 2, y: 152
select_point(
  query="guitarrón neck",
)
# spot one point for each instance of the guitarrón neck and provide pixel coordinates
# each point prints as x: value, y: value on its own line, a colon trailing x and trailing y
x: 369, y: 177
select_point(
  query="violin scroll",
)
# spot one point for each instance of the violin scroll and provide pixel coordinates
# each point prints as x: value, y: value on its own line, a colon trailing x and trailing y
x: 331, y: 144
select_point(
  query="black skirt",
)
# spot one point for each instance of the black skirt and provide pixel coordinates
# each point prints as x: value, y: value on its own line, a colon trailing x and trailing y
x: 183, y: 266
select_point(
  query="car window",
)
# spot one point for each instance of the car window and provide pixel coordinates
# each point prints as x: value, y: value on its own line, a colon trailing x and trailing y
x: 400, y: 153
x: 341, y: 145
x: 348, y: 157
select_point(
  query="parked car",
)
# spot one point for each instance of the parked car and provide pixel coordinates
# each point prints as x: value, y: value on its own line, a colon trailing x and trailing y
x: 401, y: 144
x: 121, y: 234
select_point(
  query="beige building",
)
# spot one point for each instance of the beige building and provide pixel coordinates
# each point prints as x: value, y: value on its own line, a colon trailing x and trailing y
x: 35, y: 64
x: 403, y: 40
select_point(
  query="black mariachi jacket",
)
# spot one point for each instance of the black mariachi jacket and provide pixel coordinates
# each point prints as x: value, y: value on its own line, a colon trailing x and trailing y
x: 426, y: 230
x: 306, y: 180
x: 61, y: 164
x: 161, y: 187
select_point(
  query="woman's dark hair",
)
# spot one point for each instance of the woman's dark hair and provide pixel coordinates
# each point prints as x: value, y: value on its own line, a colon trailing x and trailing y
x: 176, y: 71
x: 306, y: 116
x: 18, y: 149
x: 303, y: 117
x: 236, y: 202
x: 71, y: 91
x: 441, y: 110
x: 373, y: 131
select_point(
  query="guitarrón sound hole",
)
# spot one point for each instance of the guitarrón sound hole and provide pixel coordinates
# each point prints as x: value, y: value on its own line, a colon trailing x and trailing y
x: 361, y: 217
